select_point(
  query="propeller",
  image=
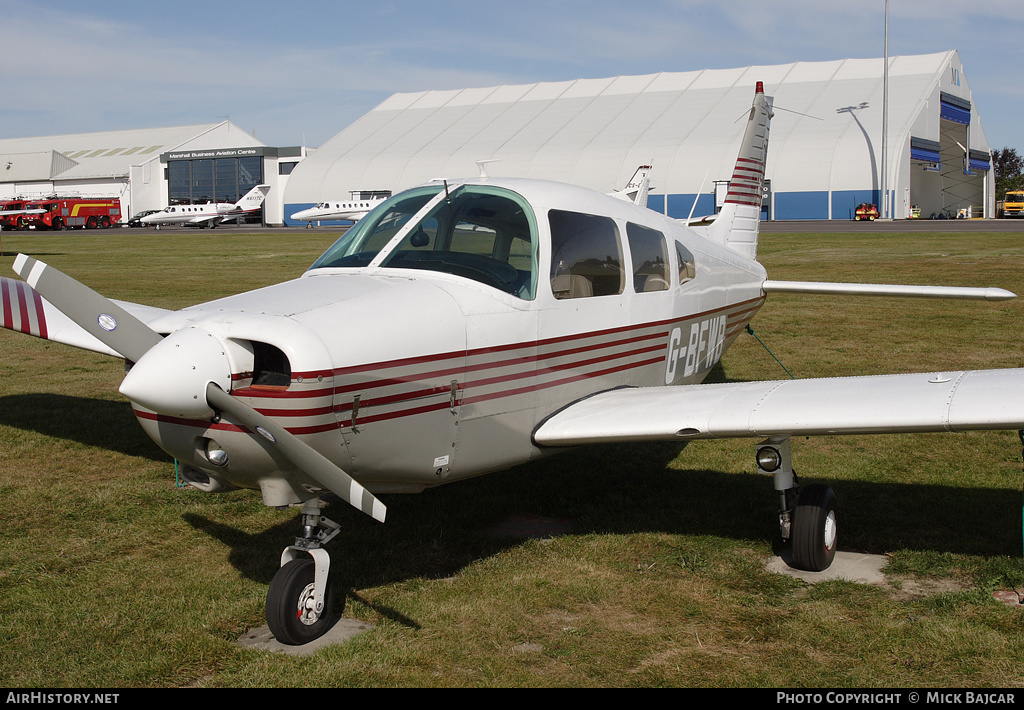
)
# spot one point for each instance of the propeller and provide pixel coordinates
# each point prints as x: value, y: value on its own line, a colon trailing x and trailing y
x: 183, y: 375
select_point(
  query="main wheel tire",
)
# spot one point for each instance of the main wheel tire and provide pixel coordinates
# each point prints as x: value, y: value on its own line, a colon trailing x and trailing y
x: 290, y: 613
x: 815, y: 529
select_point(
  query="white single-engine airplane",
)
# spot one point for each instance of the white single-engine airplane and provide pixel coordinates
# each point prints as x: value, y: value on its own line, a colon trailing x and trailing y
x: 210, y: 214
x: 522, y: 317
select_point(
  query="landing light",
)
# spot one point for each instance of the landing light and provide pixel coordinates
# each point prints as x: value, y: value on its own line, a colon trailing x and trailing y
x: 215, y: 454
x: 768, y: 458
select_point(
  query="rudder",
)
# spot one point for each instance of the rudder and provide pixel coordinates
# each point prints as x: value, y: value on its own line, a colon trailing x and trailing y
x: 737, y: 225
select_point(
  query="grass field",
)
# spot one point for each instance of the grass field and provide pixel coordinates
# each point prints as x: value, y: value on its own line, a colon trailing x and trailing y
x: 113, y: 576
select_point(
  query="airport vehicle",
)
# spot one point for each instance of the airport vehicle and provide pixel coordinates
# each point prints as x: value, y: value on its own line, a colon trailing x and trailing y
x: 354, y: 209
x: 136, y: 220
x: 12, y: 210
x: 72, y: 212
x: 466, y: 326
x: 210, y: 214
x: 1013, y: 203
x: 866, y: 212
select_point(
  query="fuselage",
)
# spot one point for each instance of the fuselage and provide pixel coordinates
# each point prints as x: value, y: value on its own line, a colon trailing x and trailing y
x: 185, y: 214
x: 430, y: 351
x: 346, y: 210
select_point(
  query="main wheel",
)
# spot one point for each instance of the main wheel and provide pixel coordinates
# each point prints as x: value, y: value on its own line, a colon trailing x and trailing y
x: 815, y: 529
x: 290, y: 613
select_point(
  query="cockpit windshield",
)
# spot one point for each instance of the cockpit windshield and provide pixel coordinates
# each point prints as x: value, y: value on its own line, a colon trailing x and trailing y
x: 482, y: 233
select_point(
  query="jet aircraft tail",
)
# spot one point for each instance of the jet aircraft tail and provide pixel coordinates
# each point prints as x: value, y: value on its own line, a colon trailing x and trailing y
x: 637, y: 188
x: 253, y: 199
x: 736, y: 226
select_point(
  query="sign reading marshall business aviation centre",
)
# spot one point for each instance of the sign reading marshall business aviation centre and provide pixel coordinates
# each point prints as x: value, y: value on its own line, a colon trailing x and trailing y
x: 266, y: 151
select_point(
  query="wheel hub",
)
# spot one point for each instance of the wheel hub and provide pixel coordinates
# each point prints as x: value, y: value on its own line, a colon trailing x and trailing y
x: 306, y: 612
x: 830, y: 531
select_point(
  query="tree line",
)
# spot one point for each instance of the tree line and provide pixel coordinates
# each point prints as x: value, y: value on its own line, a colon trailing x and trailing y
x: 1009, y: 168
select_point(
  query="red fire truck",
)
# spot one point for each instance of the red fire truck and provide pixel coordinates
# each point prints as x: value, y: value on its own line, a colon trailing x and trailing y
x: 68, y: 212
x: 10, y: 211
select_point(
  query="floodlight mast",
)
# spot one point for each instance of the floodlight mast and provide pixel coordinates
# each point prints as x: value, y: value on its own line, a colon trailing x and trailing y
x: 885, y: 119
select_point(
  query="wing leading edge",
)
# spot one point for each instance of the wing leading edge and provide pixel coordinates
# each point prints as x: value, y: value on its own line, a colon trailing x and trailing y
x: 930, y: 402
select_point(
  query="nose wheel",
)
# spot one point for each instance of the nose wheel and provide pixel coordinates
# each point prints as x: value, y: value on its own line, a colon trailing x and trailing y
x: 300, y: 598
x: 294, y: 615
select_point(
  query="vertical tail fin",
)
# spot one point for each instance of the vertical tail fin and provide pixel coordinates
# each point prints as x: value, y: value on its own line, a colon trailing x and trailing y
x: 637, y: 188
x: 736, y: 226
x: 253, y: 199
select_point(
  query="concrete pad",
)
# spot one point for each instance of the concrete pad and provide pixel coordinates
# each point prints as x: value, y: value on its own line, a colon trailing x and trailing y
x: 341, y: 631
x: 851, y: 566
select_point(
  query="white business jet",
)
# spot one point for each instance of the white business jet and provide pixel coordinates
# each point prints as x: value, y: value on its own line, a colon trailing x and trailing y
x: 352, y: 210
x: 468, y: 326
x: 210, y: 214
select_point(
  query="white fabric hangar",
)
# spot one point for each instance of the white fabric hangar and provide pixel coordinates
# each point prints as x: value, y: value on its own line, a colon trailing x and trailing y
x: 825, y: 156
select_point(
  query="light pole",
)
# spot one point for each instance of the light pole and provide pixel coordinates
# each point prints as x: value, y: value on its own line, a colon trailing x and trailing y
x: 885, y: 119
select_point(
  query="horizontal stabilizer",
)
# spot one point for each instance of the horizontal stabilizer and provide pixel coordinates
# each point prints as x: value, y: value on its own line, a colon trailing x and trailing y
x: 895, y: 290
x: 882, y: 404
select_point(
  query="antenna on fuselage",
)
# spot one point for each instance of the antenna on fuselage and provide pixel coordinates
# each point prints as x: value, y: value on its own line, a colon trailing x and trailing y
x: 448, y: 199
x: 482, y: 165
x: 701, y: 189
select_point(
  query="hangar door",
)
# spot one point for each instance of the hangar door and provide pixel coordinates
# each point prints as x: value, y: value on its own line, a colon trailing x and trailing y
x: 949, y: 177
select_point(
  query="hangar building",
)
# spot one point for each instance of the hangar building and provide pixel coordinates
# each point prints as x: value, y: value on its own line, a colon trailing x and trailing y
x: 825, y: 155
x: 148, y: 169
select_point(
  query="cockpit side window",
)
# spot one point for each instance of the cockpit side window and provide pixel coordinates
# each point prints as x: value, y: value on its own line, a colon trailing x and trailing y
x: 586, y: 255
x: 650, y: 258
x: 477, y: 232
x: 482, y: 233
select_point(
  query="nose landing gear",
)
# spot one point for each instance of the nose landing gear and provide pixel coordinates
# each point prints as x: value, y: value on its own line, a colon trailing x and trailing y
x: 300, y: 598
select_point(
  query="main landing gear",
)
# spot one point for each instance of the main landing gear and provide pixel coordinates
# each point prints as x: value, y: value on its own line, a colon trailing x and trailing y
x: 300, y: 597
x: 807, y: 515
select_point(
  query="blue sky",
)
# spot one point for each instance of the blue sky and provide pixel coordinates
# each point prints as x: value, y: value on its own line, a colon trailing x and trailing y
x: 299, y: 72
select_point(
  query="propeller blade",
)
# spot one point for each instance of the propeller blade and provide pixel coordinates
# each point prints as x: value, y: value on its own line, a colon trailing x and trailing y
x: 304, y: 457
x: 98, y: 315
x: 119, y: 330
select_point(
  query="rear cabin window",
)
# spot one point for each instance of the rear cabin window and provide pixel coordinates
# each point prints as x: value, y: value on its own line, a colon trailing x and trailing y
x: 650, y: 258
x: 687, y: 266
x: 586, y: 255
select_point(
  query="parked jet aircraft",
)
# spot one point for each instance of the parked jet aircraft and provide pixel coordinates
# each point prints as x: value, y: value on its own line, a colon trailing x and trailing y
x: 522, y: 317
x: 637, y: 188
x: 352, y: 210
x: 212, y: 213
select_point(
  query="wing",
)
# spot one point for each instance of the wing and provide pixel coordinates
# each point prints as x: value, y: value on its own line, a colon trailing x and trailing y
x: 24, y: 310
x: 932, y: 402
x: 208, y: 219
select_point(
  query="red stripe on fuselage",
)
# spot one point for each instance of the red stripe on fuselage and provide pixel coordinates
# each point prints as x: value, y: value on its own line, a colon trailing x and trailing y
x: 534, y: 362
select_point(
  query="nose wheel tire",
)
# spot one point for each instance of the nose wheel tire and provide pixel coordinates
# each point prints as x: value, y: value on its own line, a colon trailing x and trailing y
x: 290, y: 613
x: 815, y: 529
